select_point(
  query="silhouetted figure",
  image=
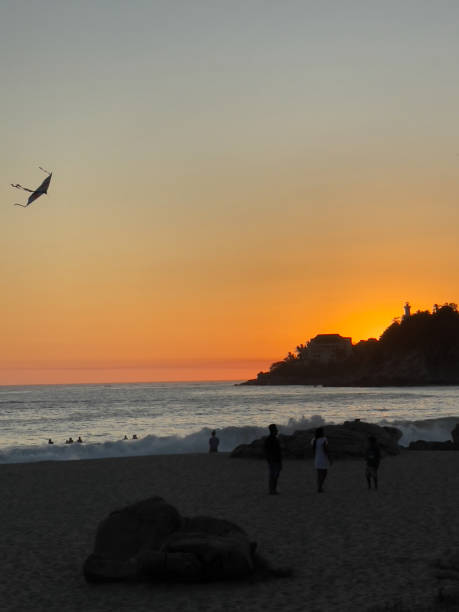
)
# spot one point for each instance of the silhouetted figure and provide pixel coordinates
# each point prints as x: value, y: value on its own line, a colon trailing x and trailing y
x: 125, y: 438
x: 80, y: 441
x: 213, y: 443
x: 321, y: 457
x: 134, y: 437
x: 273, y: 455
x: 69, y: 441
x: 373, y: 458
x: 50, y: 441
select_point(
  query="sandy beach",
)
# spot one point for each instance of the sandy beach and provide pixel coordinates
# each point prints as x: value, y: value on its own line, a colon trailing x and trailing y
x: 351, y: 549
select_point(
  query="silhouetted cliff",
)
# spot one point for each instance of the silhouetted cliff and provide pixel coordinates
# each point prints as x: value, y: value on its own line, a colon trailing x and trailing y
x: 422, y: 349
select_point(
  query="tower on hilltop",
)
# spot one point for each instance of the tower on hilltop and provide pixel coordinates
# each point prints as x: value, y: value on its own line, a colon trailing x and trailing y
x: 407, y: 309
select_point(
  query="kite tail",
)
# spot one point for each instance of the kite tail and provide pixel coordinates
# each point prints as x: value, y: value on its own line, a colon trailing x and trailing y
x: 23, y: 205
x: 21, y: 187
x: 47, y: 172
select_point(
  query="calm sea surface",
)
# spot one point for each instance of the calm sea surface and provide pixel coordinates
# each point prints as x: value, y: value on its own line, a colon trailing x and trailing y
x: 177, y: 417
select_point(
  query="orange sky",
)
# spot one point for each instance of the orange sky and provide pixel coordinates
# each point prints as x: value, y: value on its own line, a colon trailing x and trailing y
x: 227, y: 183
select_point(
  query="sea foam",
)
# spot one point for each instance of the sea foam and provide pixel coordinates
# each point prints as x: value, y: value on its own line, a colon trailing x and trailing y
x: 197, y: 442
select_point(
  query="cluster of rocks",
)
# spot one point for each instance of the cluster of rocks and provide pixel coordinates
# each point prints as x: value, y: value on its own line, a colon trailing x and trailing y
x: 347, y: 440
x: 430, y: 445
x: 149, y: 540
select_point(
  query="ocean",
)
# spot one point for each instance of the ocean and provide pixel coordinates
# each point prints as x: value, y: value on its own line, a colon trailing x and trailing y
x: 178, y: 417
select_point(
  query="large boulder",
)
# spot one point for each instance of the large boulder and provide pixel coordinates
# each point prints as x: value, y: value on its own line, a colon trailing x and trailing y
x: 349, y: 439
x: 141, y: 526
x: 221, y: 547
x: 150, y: 540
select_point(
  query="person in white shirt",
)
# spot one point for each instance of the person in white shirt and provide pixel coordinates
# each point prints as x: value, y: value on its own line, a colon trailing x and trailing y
x: 321, y: 457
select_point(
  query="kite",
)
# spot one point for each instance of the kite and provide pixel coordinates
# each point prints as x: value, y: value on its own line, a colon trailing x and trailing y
x: 36, y: 193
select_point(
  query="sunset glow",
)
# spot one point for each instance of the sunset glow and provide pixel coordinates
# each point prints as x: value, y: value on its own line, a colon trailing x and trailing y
x: 229, y: 180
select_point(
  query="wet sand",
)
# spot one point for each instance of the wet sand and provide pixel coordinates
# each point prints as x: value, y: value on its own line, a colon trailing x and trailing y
x: 351, y: 549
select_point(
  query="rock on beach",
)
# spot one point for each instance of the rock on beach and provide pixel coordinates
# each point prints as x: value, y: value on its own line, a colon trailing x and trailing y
x: 347, y: 440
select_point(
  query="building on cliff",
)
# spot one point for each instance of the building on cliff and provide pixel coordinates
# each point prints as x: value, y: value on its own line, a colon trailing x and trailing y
x: 328, y: 347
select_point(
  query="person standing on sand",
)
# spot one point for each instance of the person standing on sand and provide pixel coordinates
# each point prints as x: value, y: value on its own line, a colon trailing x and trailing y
x: 273, y: 455
x: 321, y: 457
x: 213, y: 443
x: 373, y: 458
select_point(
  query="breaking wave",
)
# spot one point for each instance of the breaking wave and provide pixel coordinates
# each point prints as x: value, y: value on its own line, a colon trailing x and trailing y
x: 431, y: 430
x: 197, y: 442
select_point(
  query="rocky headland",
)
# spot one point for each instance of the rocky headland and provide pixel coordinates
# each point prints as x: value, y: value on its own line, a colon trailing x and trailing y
x: 421, y: 349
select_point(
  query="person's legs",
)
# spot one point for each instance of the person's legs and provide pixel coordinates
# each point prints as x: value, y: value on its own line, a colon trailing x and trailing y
x: 276, y: 478
x: 272, y: 479
x: 324, y: 476
x: 274, y: 471
x: 372, y: 475
x: 321, y: 476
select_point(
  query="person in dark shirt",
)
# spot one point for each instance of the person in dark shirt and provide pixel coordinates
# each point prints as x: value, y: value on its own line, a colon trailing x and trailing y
x: 213, y: 443
x: 273, y: 455
x: 372, y: 458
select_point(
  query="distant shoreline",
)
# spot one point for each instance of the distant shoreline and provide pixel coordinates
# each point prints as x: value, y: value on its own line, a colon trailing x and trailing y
x: 255, y: 383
